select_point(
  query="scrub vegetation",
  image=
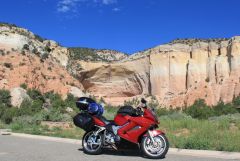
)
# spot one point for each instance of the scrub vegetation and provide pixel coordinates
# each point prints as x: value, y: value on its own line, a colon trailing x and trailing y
x: 196, y: 127
x: 86, y: 54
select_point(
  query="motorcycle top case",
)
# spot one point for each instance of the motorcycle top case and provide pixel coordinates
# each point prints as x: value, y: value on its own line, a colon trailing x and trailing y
x: 84, y: 121
x: 83, y: 102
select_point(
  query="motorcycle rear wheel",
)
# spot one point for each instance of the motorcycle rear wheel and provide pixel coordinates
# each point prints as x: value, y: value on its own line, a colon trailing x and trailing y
x: 92, y: 144
x: 156, y: 150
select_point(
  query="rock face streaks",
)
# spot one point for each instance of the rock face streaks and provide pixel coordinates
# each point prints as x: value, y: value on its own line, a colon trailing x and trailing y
x: 177, y: 74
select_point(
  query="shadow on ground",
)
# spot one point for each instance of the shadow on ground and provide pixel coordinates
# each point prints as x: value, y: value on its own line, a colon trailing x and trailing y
x: 120, y: 152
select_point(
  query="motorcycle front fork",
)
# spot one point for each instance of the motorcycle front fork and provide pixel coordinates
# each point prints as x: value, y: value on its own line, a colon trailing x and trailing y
x: 150, y: 135
x: 100, y: 129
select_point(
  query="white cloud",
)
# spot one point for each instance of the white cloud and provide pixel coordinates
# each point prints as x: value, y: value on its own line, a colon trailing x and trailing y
x: 116, y: 9
x: 63, y: 9
x: 65, y: 6
x: 107, y: 2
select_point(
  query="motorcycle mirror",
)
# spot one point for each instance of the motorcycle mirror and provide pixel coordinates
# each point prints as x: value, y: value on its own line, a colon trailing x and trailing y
x: 143, y: 101
x: 102, y: 104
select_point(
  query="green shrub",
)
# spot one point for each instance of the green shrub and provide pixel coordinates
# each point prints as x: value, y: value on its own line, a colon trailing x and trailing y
x: 39, y: 38
x: 56, y: 101
x: 7, y: 24
x: 5, y: 97
x: 26, y: 47
x: 59, y: 104
x: 236, y: 102
x: 224, y: 109
x: 233, y: 118
x: 44, y: 56
x: 23, y: 85
x: 8, y: 115
x: 2, y: 125
x: 28, y: 120
x: 71, y: 102
x: 55, y: 115
x: 110, y: 111
x: 48, y: 49
x: 30, y: 107
x: 165, y: 111
x: 43, y: 115
x: 195, y: 142
x: 85, y: 54
x: 199, y: 110
x: 93, y: 97
x: 153, y: 103
x: 35, y: 94
x: 52, y: 115
x: 102, y: 100
x: 2, y: 109
x: 134, y: 102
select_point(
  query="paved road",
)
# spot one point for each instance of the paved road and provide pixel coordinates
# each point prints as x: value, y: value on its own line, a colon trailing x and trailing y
x: 14, y: 148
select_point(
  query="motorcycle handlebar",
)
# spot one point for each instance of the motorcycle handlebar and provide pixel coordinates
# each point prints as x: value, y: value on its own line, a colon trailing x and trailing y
x: 139, y: 111
x: 143, y: 101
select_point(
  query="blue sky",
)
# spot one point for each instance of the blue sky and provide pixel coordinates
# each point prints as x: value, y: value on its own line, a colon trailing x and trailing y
x: 124, y: 25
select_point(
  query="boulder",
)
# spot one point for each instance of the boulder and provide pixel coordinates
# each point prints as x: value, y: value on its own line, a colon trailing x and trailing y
x: 18, y: 95
x: 76, y: 92
x: 69, y: 109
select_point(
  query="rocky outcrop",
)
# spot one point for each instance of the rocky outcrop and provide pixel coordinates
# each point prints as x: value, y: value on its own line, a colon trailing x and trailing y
x: 57, y: 52
x: 116, y: 80
x: 18, y: 95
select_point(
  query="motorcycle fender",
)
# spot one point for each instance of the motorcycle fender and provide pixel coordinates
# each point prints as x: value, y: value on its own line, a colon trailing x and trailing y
x: 155, y: 133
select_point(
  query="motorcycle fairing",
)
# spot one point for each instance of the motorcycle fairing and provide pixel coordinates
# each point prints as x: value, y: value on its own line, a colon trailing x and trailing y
x: 134, y: 129
x: 98, y: 121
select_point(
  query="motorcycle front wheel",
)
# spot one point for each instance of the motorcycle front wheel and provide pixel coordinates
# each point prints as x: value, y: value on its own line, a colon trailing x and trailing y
x: 157, y: 149
x: 92, y: 144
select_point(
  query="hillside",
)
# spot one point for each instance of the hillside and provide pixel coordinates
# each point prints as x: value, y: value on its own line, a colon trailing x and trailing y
x: 28, y: 59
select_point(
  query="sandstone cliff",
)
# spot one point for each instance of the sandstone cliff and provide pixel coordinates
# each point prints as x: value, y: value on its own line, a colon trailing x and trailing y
x: 176, y: 73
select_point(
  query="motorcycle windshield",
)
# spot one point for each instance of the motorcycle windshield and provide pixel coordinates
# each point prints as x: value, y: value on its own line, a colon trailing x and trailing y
x: 151, y: 114
x: 154, y: 114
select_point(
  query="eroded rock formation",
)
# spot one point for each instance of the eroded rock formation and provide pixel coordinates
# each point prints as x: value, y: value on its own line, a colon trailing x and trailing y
x: 176, y: 74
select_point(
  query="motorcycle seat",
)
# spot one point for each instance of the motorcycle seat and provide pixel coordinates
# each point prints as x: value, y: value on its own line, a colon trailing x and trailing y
x: 103, y: 119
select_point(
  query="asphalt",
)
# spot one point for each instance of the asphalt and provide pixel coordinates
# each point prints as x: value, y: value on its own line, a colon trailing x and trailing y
x: 14, y: 148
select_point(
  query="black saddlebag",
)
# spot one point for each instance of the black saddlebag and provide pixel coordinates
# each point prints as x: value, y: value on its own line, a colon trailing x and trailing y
x: 84, y: 121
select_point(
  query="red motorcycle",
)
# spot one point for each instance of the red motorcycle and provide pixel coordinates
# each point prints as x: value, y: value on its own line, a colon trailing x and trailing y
x: 130, y: 127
